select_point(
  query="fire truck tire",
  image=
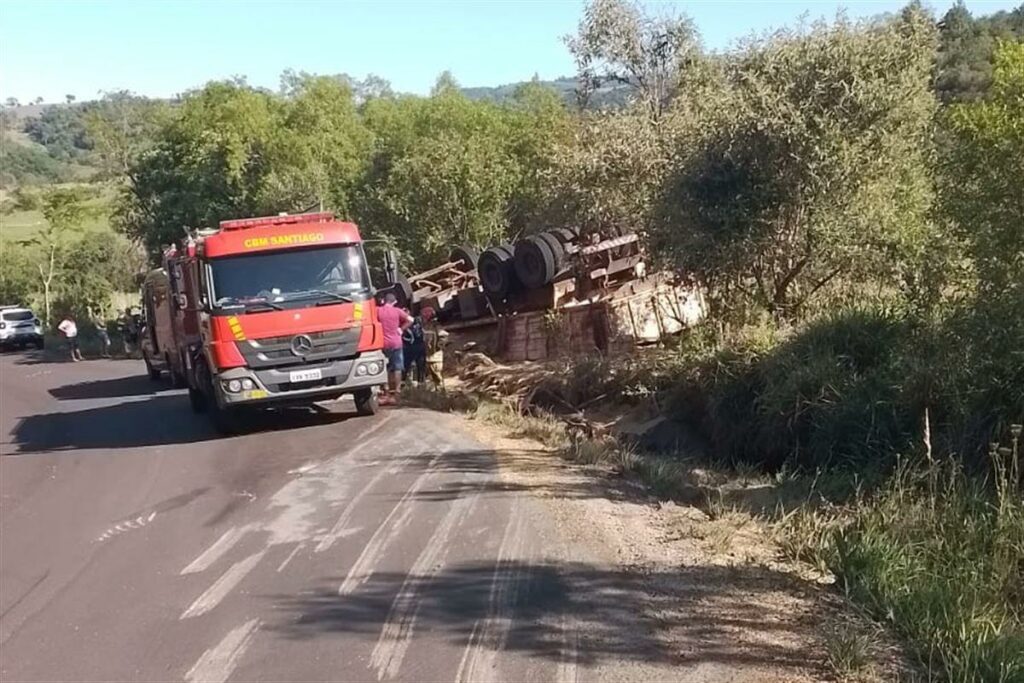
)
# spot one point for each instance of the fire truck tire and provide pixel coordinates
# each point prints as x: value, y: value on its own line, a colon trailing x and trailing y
x: 197, y: 400
x: 154, y: 373
x: 497, y: 272
x: 534, y: 262
x: 366, y: 402
x: 177, y: 380
x: 467, y: 254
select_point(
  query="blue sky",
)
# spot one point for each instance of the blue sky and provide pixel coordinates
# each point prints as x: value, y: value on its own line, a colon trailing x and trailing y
x: 163, y: 47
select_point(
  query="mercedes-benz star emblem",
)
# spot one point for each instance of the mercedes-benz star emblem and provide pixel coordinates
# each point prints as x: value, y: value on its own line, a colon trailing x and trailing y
x: 301, y: 344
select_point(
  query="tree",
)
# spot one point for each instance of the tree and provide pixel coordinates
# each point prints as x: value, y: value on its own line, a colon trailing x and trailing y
x: 64, y: 212
x: 981, y: 172
x: 322, y: 146
x: 61, y: 130
x: 808, y: 167
x: 617, y: 42
x: 69, y: 98
x: 12, y: 102
x: 121, y: 126
x: 963, y: 67
x: 17, y: 273
x: 233, y: 151
x: 441, y: 173
x: 607, y: 176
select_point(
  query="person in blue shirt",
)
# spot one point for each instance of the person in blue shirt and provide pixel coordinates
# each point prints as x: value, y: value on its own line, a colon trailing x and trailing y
x: 414, y: 351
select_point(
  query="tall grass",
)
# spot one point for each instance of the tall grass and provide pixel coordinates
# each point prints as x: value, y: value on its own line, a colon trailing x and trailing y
x: 939, y: 554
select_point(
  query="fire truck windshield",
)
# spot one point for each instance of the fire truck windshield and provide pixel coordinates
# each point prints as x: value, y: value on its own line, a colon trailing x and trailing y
x: 293, y: 277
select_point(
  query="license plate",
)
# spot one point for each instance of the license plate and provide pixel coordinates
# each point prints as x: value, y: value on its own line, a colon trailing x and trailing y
x: 304, y: 375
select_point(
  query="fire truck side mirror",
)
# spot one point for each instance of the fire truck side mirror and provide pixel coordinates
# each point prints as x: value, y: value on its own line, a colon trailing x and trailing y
x: 390, y: 266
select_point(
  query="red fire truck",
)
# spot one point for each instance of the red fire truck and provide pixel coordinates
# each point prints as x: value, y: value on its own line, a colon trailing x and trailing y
x: 266, y: 312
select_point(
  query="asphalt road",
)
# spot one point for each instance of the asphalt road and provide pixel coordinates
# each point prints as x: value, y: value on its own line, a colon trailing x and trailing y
x: 137, y: 544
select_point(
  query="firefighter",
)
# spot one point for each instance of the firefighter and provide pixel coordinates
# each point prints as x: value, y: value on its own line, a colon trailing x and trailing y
x: 434, y: 340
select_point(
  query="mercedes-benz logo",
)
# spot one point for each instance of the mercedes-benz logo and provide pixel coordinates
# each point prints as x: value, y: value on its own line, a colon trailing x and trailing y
x: 301, y: 344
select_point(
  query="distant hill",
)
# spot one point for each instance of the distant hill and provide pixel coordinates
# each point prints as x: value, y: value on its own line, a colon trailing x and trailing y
x: 566, y: 87
x: 609, y: 96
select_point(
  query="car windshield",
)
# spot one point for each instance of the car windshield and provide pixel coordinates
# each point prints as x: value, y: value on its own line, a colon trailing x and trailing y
x: 273, y: 278
x: 18, y: 316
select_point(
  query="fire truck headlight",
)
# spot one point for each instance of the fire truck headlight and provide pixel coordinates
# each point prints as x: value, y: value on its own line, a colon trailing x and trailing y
x: 373, y: 368
x: 361, y: 369
x: 248, y: 384
x: 234, y: 386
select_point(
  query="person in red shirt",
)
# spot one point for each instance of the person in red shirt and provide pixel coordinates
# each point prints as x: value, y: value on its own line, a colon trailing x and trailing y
x: 393, y: 321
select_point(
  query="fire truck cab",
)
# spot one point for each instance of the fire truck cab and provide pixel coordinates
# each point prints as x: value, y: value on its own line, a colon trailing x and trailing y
x: 268, y: 312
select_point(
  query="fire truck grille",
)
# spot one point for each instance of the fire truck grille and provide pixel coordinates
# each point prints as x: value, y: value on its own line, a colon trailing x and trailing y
x: 316, y: 347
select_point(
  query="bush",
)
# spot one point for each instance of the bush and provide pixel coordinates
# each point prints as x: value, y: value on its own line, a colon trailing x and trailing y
x: 851, y: 389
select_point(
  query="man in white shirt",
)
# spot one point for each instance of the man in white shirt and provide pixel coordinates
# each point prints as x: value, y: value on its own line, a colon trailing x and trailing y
x: 69, y: 329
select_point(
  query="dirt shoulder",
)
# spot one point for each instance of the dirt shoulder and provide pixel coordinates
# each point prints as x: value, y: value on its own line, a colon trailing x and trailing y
x: 708, y: 586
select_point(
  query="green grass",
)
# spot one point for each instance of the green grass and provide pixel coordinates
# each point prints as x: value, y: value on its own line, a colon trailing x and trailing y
x: 848, y: 652
x: 20, y: 225
x: 940, y: 556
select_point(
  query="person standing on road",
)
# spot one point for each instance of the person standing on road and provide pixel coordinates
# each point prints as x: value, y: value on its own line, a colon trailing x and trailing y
x: 69, y: 329
x: 413, y: 352
x: 434, y: 339
x: 129, y: 332
x: 393, y: 322
x: 101, y: 331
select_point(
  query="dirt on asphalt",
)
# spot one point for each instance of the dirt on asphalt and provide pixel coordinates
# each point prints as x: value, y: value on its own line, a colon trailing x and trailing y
x: 714, y: 590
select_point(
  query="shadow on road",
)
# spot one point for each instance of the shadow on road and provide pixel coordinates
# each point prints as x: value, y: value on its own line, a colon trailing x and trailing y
x: 687, y: 616
x: 162, y: 419
x: 115, y: 387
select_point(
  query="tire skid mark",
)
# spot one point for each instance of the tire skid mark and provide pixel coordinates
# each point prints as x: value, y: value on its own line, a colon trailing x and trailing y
x: 489, y: 635
x: 285, y: 518
x: 217, y: 664
x: 291, y: 555
x: 341, y: 529
x: 396, y: 635
x: 126, y: 525
x: 212, y: 596
x: 388, y: 531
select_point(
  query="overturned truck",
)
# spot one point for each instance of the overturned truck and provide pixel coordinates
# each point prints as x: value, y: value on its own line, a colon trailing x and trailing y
x: 554, y: 293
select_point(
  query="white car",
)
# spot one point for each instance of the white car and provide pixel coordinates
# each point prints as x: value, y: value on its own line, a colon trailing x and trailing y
x: 20, y: 327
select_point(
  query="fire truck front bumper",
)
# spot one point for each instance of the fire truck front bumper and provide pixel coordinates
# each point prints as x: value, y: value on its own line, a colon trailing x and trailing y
x: 302, y: 384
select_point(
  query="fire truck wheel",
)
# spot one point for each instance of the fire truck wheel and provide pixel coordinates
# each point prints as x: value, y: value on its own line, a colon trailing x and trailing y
x: 154, y: 373
x: 177, y: 380
x: 366, y: 402
x: 197, y: 399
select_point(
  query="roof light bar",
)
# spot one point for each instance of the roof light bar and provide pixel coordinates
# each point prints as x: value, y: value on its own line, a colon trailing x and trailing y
x: 286, y: 219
